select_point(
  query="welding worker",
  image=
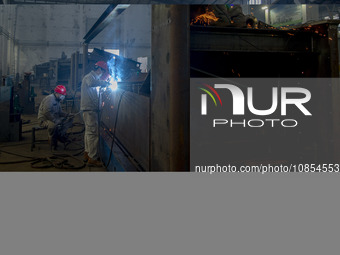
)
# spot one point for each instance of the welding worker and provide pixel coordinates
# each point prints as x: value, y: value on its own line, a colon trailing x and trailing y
x: 53, y: 118
x: 89, y: 105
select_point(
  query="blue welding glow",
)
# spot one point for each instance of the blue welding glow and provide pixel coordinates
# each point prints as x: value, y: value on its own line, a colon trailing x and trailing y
x: 113, y: 85
x: 115, y: 72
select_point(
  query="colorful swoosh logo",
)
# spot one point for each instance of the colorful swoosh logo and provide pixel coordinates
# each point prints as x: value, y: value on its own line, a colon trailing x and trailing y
x: 209, y: 93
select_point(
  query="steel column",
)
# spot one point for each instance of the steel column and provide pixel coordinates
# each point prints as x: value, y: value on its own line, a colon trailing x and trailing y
x: 1, y: 51
x: 170, y: 81
x: 9, y: 56
x: 85, y: 58
x: 17, y: 56
x: 72, y: 81
x: 4, y: 55
x: 76, y: 69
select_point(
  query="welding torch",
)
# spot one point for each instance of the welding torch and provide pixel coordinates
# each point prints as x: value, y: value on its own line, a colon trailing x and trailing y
x: 111, y: 84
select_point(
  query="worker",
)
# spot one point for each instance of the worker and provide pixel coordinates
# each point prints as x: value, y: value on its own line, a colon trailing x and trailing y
x: 53, y: 118
x: 89, y: 105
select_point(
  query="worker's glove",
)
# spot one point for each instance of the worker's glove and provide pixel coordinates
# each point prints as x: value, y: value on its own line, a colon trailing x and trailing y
x: 104, y: 84
x: 43, y: 124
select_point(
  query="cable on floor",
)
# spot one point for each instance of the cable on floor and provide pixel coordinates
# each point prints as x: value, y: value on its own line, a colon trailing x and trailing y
x: 58, y: 161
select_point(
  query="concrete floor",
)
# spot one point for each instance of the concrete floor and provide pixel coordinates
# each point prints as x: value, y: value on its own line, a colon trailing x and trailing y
x: 18, y: 156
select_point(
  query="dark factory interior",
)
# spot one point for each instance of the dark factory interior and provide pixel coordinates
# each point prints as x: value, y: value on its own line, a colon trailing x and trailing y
x: 153, y: 49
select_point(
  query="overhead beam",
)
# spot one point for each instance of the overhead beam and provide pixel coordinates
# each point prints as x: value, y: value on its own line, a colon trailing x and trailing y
x: 113, y: 1
x: 79, y: 1
x: 104, y: 20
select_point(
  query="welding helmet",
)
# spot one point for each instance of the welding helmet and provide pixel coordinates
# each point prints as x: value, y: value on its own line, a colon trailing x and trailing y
x: 105, y: 76
x: 60, y: 89
x: 104, y: 66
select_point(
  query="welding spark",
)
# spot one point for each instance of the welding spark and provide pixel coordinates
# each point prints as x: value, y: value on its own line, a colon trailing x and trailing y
x: 113, y: 85
x: 206, y: 17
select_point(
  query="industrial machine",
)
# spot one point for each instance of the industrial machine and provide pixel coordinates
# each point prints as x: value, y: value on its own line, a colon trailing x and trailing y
x: 10, y: 128
x: 24, y: 96
x: 57, y: 71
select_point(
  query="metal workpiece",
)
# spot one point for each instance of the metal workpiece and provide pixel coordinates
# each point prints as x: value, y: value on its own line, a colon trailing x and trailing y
x: 124, y: 114
x: 247, y: 40
x: 295, y: 39
x: 124, y: 118
x: 309, y: 50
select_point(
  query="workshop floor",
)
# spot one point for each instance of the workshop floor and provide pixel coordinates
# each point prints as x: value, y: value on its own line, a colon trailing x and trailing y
x: 21, y: 156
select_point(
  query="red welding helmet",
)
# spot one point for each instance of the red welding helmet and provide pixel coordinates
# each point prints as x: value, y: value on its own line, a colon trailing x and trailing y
x: 60, y: 89
x: 103, y: 65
